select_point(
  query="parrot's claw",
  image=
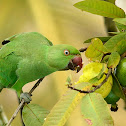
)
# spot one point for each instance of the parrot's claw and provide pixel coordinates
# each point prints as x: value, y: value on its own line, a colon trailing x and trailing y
x: 26, y: 96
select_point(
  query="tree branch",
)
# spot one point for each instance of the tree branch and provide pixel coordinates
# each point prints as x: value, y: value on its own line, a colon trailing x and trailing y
x: 23, y: 102
x: 97, y: 87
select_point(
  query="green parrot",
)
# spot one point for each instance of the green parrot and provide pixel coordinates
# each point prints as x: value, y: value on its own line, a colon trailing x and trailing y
x: 30, y: 56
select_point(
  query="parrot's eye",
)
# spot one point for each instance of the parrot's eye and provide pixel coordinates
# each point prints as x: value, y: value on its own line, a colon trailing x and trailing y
x: 66, y: 52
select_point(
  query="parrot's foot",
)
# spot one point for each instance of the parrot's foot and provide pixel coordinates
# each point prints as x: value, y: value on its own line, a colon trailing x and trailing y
x: 26, y: 96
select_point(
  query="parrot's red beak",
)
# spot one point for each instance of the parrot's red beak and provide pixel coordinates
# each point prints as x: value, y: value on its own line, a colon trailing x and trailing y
x: 75, y: 63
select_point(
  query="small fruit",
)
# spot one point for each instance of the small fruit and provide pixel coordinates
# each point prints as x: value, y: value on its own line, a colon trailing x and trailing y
x: 112, y: 98
x: 121, y: 72
x: 96, y: 72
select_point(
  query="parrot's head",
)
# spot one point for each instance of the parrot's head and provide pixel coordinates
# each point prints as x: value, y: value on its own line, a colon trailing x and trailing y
x: 64, y: 57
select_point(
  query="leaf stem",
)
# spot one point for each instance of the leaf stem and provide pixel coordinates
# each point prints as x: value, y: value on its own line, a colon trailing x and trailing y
x: 21, y: 105
x: 97, y: 87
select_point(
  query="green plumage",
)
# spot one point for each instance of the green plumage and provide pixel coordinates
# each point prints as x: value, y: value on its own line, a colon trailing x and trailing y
x: 30, y: 56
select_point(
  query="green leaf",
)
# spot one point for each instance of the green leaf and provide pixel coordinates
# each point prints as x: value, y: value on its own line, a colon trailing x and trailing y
x: 114, y: 33
x: 113, y: 60
x: 111, y: 1
x: 102, y: 8
x: 121, y: 24
x: 65, y: 106
x: 105, y: 59
x: 103, y: 39
x: 34, y: 115
x: 116, y: 43
x: 121, y: 28
x: 95, y: 110
x: 117, y: 89
x: 120, y: 20
x: 95, y: 50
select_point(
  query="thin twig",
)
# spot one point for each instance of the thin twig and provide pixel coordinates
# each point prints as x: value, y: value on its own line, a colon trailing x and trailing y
x: 97, y: 87
x: 23, y: 102
x: 36, y: 85
x: 16, y: 112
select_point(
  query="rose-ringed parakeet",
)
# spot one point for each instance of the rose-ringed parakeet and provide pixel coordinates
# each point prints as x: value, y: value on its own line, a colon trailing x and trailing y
x: 29, y: 56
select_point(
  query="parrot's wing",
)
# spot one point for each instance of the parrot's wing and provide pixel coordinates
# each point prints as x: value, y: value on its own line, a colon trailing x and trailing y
x: 23, y: 44
x: 28, y: 35
x: 8, y: 67
x: 21, y: 55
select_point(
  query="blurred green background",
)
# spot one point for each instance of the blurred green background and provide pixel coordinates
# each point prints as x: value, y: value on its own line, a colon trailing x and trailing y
x: 61, y: 23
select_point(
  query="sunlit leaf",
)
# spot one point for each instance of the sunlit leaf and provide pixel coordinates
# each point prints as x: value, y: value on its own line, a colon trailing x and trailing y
x: 62, y: 110
x: 96, y: 59
x: 102, y: 8
x: 103, y: 39
x: 95, y: 50
x: 34, y: 115
x: 100, y: 74
x: 113, y: 60
x: 95, y: 110
x: 91, y: 72
x: 116, y: 43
